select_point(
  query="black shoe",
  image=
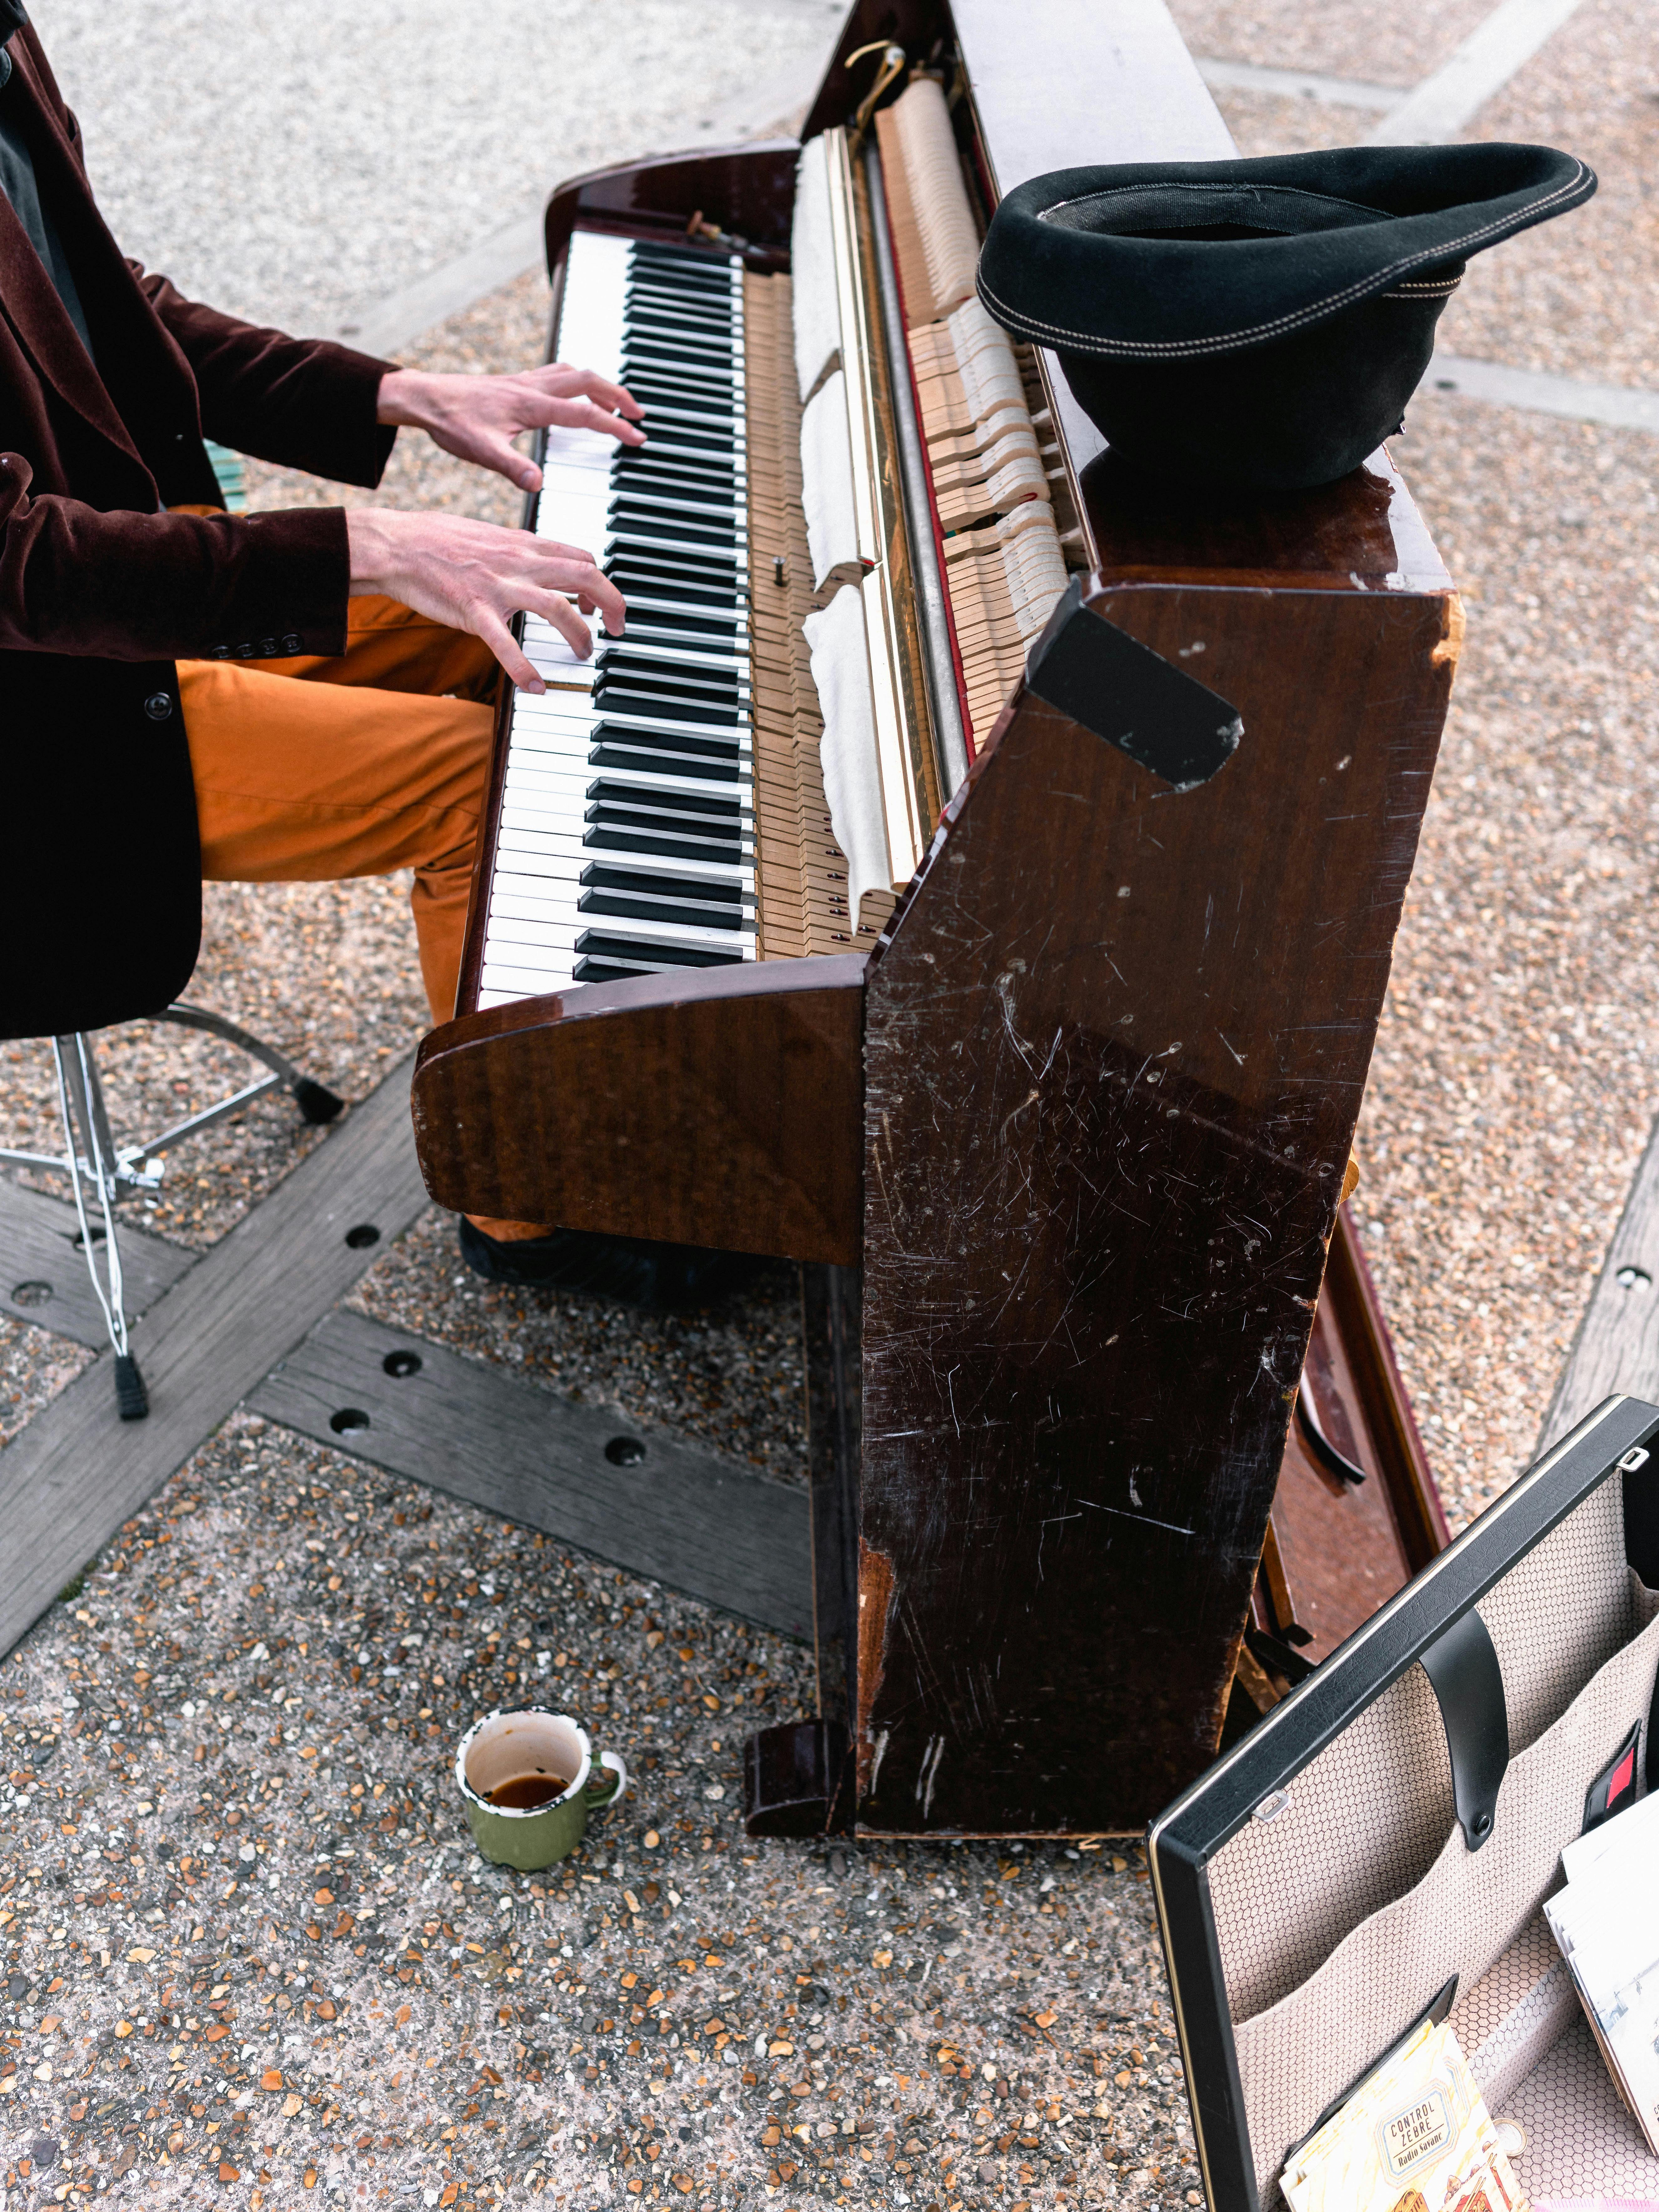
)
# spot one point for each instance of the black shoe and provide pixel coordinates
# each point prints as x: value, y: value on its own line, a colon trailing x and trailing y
x: 663, y: 1277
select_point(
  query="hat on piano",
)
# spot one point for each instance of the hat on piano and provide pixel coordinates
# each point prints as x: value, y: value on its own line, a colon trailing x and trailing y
x: 1260, y: 322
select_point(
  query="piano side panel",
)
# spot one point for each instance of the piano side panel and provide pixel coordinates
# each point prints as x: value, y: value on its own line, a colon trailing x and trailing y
x: 715, y: 1107
x: 1115, y: 1054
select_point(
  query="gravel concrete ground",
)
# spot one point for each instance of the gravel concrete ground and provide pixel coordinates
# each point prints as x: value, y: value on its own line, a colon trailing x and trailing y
x: 296, y: 164
x: 246, y: 1954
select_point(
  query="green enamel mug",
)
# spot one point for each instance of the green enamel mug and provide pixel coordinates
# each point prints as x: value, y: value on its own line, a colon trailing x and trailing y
x: 522, y: 1755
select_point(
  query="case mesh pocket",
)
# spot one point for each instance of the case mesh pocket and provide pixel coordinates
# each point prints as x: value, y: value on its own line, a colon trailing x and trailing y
x: 1307, y: 2049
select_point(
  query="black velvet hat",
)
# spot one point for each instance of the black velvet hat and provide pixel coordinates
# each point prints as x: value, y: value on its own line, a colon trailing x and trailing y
x: 1257, y: 322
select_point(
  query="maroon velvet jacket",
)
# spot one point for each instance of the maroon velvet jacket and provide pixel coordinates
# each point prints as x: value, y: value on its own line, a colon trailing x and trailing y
x: 100, y: 590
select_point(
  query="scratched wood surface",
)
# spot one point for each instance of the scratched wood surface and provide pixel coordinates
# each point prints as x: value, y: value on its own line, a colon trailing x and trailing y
x: 713, y: 1106
x: 1616, y: 1347
x: 75, y: 1472
x: 1144, y: 1018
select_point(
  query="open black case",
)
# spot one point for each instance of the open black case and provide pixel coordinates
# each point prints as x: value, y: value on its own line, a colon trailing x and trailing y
x: 1398, y: 1821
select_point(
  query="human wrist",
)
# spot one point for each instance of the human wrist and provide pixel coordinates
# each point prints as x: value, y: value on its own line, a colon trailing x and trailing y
x: 370, y: 546
x: 403, y: 398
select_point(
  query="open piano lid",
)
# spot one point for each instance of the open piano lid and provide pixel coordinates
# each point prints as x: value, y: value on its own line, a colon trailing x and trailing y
x: 1054, y: 86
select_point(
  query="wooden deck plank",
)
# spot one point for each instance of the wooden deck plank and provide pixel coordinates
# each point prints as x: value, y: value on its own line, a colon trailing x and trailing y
x: 684, y: 1515
x: 76, y: 1472
x: 37, y: 1257
x: 1616, y: 1347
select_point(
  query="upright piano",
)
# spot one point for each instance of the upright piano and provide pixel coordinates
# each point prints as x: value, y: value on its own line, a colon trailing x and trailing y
x: 973, y: 876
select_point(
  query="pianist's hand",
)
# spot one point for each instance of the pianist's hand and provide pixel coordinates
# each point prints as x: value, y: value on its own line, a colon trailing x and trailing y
x: 477, y: 417
x: 476, y: 576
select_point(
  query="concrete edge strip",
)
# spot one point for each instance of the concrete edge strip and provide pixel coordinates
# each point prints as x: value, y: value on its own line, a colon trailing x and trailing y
x: 397, y: 320
x: 1621, y: 407
x: 1448, y: 100
x: 1299, y: 84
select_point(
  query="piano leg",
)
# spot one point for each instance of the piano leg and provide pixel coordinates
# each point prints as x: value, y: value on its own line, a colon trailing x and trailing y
x: 799, y: 1778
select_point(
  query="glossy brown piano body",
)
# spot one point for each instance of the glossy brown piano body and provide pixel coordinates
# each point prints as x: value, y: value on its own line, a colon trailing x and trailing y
x: 1063, y: 1156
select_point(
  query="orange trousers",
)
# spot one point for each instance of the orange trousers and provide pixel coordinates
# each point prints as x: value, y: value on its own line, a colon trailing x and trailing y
x: 309, y: 769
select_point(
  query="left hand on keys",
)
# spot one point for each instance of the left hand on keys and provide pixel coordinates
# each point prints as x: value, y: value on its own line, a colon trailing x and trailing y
x: 477, y: 417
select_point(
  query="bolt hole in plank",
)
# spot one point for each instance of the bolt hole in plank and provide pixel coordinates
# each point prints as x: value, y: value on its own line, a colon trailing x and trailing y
x: 624, y: 1451
x: 349, y: 1420
x: 31, y: 1294
x: 401, y: 1364
x: 1635, y: 1278
x: 360, y: 1238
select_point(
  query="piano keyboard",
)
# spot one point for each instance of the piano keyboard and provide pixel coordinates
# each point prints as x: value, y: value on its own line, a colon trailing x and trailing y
x: 676, y: 801
x: 626, y: 842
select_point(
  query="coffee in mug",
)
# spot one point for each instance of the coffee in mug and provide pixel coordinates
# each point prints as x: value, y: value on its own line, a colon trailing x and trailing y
x: 529, y: 1780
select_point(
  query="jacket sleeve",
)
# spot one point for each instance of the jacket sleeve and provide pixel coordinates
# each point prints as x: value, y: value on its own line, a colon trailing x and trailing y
x: 302, y: 403
x: 123, y: 586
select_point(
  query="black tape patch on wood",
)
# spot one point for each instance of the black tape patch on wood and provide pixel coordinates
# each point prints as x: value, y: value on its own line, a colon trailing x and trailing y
x: 1130, y: 695
x: 651, y: 1503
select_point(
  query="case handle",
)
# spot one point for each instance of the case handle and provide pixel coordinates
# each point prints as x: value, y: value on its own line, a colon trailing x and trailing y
x: 1462, y: 1665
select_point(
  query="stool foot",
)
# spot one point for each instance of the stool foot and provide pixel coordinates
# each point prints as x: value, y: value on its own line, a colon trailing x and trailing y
x: 315, y: 1101
x: 130, y: 1396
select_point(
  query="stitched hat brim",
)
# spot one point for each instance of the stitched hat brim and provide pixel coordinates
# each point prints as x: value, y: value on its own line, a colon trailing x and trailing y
x: 1047, y: 275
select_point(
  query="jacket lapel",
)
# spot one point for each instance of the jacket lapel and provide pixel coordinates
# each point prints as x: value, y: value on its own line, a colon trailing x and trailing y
x: 28, y: 298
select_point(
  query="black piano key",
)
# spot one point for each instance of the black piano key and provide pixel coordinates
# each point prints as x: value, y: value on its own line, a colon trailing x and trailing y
x: 637, y: 955
x: 692, y: 751
x: 682, y: 264
x: 716, y: 690
x: 643, y: 301
x: 654, y: 582
x: 647, y: 799
x: 689, y: 339
x: 643, y: 709
x: 642, y: 522
x: 671, y: 467
x: 662, y: 883
x: 700, y: 571
x: 692, y: 629
x: 706, y: 502
x: 663, y: 761
x: 624, y: 837
x: 618, y: 891
x: 667, y: 368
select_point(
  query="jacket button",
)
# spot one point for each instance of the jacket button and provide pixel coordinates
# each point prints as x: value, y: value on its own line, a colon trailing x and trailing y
x: 246, y: 650
x: 159, y: 706
x: 293, y: 642
x: 267, y: 648
x: 218, y: 652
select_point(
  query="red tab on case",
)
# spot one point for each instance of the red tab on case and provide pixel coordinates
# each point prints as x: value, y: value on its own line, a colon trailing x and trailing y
x: 1620, y: 1780
x: 1614, y: 1787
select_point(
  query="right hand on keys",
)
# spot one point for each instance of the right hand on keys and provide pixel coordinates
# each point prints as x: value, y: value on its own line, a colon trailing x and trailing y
x: 476, y: 576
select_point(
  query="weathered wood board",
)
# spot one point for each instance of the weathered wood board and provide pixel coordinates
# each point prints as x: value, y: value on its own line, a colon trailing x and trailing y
x: 77, y: 1470
x: 43, y: 1276
x: 1616, y: 1347
x: 684, y: 1515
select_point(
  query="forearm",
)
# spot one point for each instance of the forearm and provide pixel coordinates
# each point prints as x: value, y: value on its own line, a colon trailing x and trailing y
x: 125, y: 587
x: 302, y: 403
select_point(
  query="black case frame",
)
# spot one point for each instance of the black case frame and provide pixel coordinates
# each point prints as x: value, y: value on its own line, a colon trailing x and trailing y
x: 1185, y: 1838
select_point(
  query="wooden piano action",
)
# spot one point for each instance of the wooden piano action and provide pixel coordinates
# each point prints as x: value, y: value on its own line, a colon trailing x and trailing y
x: 1057, y: 1121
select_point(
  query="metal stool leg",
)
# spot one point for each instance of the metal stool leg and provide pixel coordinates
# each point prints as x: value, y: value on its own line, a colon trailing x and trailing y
x: 315, y: 1101
x: 90, y: 1150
